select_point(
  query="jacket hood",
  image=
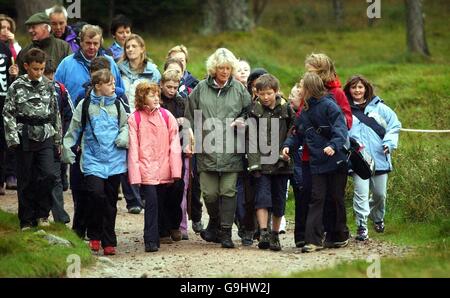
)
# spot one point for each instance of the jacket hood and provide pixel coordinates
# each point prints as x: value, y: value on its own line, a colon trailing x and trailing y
x: 148, y: 72
x: 334, y: 84
x: 107, y: 100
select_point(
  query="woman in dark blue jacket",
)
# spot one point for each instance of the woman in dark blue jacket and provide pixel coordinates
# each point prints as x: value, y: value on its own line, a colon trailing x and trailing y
x: 321, y: 126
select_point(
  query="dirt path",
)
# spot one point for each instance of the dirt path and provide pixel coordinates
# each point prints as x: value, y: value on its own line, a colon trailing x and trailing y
x: 197, y: 258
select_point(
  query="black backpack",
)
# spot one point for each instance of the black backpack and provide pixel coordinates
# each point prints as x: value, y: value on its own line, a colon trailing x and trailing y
x: 360, y: 161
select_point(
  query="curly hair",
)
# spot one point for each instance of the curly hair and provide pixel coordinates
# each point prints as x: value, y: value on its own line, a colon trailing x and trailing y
x: 221, y: 56
x: 142, y: 90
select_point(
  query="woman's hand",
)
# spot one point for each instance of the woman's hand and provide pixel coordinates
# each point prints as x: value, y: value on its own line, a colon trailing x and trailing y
x: 285, y: 153
x: 328, y: 151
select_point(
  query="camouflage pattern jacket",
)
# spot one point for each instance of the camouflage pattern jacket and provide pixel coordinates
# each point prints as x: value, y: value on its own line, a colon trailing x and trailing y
x: 32, y: 106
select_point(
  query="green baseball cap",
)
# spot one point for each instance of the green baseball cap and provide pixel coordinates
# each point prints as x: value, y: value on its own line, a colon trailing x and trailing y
x: 38, y: 18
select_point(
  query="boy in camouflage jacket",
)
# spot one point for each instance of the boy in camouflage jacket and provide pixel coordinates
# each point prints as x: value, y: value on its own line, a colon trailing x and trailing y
x: 33, y: 129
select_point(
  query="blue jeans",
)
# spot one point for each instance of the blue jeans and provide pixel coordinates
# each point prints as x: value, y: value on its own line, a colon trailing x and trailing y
x: 366, y: 204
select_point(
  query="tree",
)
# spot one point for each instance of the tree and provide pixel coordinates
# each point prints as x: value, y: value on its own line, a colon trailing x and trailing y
x: 258, y: 9
x: 26, y: 8
x: 226, y: 15
x: 338, y: 8
x: 415, y: 28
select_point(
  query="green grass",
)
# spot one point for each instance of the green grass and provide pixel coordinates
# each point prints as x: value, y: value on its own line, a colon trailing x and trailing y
x: 23, y: 254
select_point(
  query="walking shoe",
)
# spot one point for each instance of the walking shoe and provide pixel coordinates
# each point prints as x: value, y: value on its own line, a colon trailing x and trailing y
x: 11, y: 182
x: 211, y: 233
x: 275, y: 242
x: 135, y: 210
x: 379, y: 227
x: 197, y: 226
x: 184, y: 236
x: 175, y: 234
x: 264, y: 240
x: 247, y: 238
x: 94, y: 245
x: 151, y: 247
x: 362, y: 234
x: 2, y: 191
x: 340, y: 244
x: 43, y: 222
x: 109, y: 251
x: 311, y: 248
x: 25, y: 228
x: 165, y: 240
x: 300, y: 244
x: 226, y: 238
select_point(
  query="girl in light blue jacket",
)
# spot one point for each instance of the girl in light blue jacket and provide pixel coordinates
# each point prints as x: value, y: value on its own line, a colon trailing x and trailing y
x: 376, y: 127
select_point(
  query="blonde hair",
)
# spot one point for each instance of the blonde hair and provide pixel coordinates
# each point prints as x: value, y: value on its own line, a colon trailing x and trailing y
x: 322, y: 65
x: 221, y: 56
x: 90, y: 31
x: 142, y: 90
x: 313, y: 86
x: 141, y: 43
x: 178, y: 49
x: 171, y: 75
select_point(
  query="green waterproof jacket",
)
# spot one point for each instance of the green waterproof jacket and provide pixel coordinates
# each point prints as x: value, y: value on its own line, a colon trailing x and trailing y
x: 216, y: 142
x: 264, y: 134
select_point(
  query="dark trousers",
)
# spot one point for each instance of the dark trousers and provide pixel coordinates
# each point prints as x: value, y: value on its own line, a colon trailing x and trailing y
x: 196, y: 204
x: 2, y: 167
x: 330, y: 183
x: 35, y: 182
x: 80, y: 213
x: 149, y: 194
x: 169, y: 206
x: 103, y: 194
x: 130, y: 192
x: 11, y: 164
x: 57, y: 196
x: 302, y: 197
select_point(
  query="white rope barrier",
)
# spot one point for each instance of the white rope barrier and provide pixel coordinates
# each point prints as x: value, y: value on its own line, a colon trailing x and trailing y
x: 425, y: 130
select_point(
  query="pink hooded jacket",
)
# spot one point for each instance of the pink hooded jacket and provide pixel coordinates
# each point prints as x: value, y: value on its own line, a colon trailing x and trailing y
x: 154, y: 152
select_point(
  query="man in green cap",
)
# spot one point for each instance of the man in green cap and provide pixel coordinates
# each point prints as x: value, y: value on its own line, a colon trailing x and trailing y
x: 39, y: 30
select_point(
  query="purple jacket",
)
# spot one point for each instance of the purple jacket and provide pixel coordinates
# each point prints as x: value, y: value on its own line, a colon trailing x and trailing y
x: 71, y: 38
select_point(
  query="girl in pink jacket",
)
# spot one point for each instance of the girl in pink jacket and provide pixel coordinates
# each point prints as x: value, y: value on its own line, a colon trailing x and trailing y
x: 154, y: 155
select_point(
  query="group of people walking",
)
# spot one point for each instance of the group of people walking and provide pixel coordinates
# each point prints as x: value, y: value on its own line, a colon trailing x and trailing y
x: 168, y: 140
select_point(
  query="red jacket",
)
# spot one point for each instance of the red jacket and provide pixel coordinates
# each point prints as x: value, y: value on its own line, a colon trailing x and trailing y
x: 334, y: 87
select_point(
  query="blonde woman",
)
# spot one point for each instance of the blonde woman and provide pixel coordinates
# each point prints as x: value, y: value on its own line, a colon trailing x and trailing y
x: 218, y: 98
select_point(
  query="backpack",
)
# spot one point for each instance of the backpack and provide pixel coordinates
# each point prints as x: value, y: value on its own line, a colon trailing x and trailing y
x: 360, y: 161
x: 85, y: 116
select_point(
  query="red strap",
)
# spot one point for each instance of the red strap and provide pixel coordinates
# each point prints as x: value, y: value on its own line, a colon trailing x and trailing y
x: 165, y: 116
x: 137, y: 117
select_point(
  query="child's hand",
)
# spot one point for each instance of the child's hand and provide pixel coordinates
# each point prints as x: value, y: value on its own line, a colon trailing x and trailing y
x: 328, y: 151
x: 285, y: 153
x: 14, y: 70
x: 239, y: 122
x: 386, y: 150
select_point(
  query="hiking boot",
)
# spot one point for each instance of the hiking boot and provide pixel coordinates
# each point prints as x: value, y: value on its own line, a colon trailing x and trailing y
x: 165, y: 240
x: 311, y: 248
x: 25, y: 228
x: 247, y: 238
x: 226, y: 238
x: 135, y: 210
x: 184, y: 236
x: 264, y: 240
x: 211, y: 233
x: 43, y: 222
x: 379, y: 227
x: 175, y: 234
x: 275, y: 242
x: 11, y: 182
x: 197, y: 226
x: 109, y: 251
x: 300, y: 244
x: 94, y: 245
x: 151, y: 247
x: 362, y: 234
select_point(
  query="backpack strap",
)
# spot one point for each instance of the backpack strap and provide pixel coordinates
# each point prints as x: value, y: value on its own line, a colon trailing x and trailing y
x: 137, y: 117
x: 117, y: 103
x: 165, y: 116
x: 370, y: 122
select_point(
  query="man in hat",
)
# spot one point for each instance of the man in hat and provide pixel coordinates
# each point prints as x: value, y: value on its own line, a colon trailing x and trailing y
x: 39, y: 30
